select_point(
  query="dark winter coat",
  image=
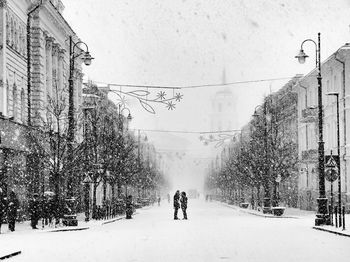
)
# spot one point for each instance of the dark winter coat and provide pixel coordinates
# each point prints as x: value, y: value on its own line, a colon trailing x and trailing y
x: 183, y: 202
x: 48, y: 208
x: 128, y: 203
x: 176, y: 200
x: 34, y: 208
x: 129, y: 207
x: 12, y: 207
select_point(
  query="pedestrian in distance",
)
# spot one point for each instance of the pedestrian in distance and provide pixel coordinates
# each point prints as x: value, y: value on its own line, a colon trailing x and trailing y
x: 128, y: 207
x: 12, y: 208
x: 183, y: 202
x: 48, y: 209
x: 176, y: 204
x: 3, y: 206
x: 158, y: 199
x: 34, y: 210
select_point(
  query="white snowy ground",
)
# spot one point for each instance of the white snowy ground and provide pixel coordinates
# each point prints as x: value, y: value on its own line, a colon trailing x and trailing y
x: 213, y: 233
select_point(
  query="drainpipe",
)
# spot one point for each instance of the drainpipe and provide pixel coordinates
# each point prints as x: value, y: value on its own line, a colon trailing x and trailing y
x: 29, y: 65
x: 344, y: 109
x: 307, y: 145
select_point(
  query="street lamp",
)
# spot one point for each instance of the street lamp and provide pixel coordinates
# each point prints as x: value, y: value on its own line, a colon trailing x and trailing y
x: 85, y: 55
x: 87, y: 182
x: 90, y: 103
x: 121, y: 109
x: 322, y: 216
x: 338, y: 162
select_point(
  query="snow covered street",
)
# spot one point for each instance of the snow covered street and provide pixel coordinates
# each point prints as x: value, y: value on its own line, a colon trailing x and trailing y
x: 214, y: 232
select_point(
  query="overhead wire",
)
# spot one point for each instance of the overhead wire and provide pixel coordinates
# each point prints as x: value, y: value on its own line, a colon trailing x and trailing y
x: 186, y: 132
x: 193, y: 86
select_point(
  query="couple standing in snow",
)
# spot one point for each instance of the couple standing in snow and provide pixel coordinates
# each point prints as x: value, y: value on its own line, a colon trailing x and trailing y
x: 180, y: 201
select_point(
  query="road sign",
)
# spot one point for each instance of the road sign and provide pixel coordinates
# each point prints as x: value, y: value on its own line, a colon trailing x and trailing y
x: 332, y: 174
x: 331, y: 161
x: 331, y: 168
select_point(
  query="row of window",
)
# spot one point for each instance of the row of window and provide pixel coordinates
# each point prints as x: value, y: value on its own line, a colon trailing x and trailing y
x: 309, y: 95
x: 16, y: 33
x: 16, y: 103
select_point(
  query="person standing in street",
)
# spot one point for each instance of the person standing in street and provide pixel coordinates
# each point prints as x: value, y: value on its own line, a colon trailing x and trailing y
x: 12, y: 207
x: 183, y: 202
x: 128, y: 207
x: 34, y: 210
x: 3, y: 206
x: 176, y: 204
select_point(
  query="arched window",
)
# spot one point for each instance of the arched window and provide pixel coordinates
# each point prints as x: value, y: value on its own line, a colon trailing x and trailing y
x: 24, y: 43
x: 14, y: 101
x: 8, y: 29
x: 8, y: 97
x: 23, y: 107
x: 12, y: 32
x: 20, y: 37
x: 15, y: 37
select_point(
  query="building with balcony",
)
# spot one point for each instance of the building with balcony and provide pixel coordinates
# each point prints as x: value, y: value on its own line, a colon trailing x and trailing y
x: 334, y: 79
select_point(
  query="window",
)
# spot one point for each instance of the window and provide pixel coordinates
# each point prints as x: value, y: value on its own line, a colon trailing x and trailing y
x: 23, y: 113
x: 14, y: 101
x: 328, y: 86
x: 8, y: 97
x: 15, y: 37
x: 8, y: 29
x: 335, y: 84
x: 12, y: 32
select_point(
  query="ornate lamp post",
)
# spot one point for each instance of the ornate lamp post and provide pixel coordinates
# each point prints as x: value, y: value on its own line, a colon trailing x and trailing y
x: 85, y: 55
x: 87, y: 182
x: 322, y: 216
x: 121, y: 109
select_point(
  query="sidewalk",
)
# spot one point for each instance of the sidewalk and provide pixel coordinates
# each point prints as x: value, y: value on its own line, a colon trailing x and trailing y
x: 299, y: 214
x: 333, y: 230
x: 337, y: 230
x: 289, y: 212
x: 25, y: 228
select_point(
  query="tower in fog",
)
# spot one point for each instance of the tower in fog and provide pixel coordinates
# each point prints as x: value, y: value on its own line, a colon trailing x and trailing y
x: 224, y: 111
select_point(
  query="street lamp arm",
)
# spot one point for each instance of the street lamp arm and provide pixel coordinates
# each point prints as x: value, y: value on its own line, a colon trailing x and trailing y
x: 308, y: 40
x: 257, y: 107
x: 75, y: 45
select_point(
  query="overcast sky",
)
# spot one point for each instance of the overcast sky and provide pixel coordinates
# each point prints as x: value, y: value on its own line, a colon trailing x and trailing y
x: 191, y: 42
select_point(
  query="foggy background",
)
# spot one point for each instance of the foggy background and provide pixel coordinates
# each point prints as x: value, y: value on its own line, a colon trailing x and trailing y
x: 184, y: 43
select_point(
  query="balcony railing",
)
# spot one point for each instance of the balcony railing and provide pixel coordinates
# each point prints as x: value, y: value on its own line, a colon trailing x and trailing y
x: 309, y: 155
x: 308, y: 115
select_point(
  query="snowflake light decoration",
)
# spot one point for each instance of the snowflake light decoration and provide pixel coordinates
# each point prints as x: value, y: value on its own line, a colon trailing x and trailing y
x: 178, y: 97
x: 220, y: 138
x: 171, y: 105
x: 161, y: 95
x: 144, y: 96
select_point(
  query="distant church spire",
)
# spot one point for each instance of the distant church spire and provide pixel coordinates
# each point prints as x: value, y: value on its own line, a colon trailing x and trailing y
x: 224, y: 76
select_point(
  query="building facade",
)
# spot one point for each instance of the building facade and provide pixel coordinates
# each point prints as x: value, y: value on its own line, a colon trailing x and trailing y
x: 34, y: 72
x: 335, y: 79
